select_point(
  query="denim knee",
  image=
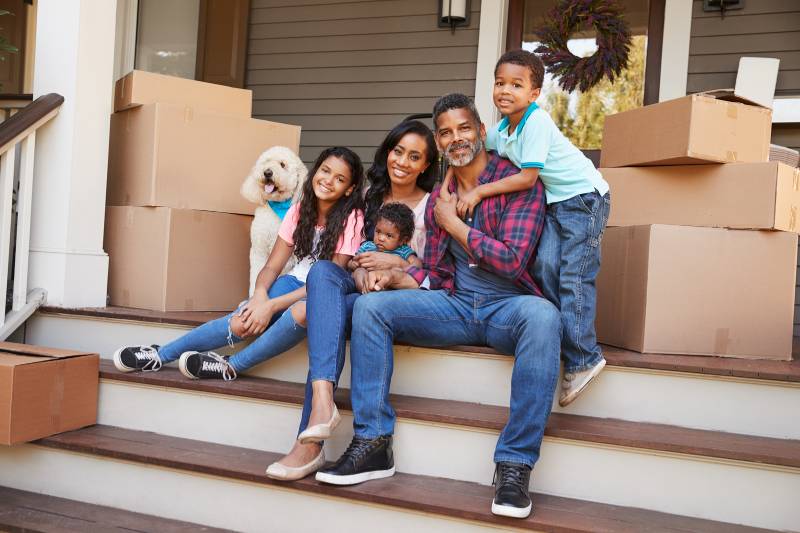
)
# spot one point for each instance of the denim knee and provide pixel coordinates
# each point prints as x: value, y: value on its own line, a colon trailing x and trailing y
x: 542, y: 315
x: 320, y: 270
x: 367, y: 308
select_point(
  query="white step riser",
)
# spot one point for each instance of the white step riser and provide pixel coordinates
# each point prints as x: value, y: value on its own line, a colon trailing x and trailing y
x: 680, y: 484
x: 689, y: 400
x: 203, y: 499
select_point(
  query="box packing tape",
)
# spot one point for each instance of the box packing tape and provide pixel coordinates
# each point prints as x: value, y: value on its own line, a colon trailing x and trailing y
x: 57, y: 399
x: 732, y: 111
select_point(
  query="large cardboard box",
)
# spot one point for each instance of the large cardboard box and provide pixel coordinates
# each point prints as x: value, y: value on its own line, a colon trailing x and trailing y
x: 177, y: 260
x: 168, y: 155
x: 44, y: 391
x: 140, y: 87
x: 736, y: 195
x: 687, y: 131
x: 703, y: 291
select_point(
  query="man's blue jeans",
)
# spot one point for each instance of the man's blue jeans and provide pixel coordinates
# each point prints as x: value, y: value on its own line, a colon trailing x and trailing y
x: 527, y: 327
x: 566, y: 266
x: 329, y: 307
x: 281, y: 334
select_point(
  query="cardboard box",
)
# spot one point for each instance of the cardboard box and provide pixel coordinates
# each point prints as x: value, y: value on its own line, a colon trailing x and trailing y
x: 168, y: 155
x: 140, y: 88
x: 177, y: 260
x: 44, y: 391
x: 701, y: 291
x: 739, y: 195
x: 691, y: 130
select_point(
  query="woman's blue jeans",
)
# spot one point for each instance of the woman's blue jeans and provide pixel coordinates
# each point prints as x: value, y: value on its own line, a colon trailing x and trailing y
x: 329, y: 307
x: 281, y: 334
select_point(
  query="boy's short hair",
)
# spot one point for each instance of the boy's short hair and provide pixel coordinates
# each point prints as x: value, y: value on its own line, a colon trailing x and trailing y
x: 454, y: 101
x: 401, y: 216
x: 527, y: 59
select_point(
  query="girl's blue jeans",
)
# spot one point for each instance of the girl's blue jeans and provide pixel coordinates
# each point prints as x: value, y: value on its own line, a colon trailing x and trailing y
x: 281, y: 334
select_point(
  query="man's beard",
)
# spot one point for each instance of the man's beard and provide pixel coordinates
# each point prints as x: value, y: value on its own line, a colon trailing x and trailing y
x: 463, y: 160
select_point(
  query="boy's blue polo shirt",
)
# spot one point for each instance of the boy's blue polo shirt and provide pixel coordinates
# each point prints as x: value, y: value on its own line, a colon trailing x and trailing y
x: 538, y: 143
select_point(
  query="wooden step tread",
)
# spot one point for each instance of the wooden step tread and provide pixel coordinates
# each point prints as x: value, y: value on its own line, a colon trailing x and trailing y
x: 717, y: 366
x: 31, y: 512
x: 659, y: 437
x: 449, y: 498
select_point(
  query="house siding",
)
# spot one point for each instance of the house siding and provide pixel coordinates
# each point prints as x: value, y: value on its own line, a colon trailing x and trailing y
x: 349, y: 71
x: 762, y: 28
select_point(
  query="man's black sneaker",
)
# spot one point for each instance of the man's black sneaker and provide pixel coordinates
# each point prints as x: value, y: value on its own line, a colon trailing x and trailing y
x: 206, y: 365
x: 131, y: 358
x: 511, y: 497
x: 363, y: 460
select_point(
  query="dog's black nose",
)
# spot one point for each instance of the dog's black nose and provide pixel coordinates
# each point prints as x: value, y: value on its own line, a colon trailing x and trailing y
x: 268, y: 174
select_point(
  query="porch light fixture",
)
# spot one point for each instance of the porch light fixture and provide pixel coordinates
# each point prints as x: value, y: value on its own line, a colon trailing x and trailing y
x: 453, y: 13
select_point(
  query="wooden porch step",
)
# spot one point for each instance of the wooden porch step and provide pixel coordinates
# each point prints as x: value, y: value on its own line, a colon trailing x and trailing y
x: 437, y: 496
x: 648, y: 436
x: 760, y: 369
x: 22, y: 511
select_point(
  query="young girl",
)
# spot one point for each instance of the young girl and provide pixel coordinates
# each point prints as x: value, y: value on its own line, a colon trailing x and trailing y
x: 325, y: 224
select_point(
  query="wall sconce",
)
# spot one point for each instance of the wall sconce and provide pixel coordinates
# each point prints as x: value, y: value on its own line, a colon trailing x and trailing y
x: 453, y: 13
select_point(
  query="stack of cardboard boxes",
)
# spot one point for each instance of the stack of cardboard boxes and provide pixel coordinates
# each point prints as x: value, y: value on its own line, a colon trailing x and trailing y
x: 701, y: 249
x: 177, y: 229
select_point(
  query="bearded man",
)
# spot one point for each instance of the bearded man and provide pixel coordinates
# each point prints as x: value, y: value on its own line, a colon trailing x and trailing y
x: 474, y: 288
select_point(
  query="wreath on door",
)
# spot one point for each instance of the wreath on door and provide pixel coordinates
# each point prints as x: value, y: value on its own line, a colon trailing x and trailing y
x: 613, y: 42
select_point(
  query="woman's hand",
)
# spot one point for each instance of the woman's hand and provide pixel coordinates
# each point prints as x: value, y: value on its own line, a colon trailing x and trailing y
x: 360, y: 279
x: 380, y: 261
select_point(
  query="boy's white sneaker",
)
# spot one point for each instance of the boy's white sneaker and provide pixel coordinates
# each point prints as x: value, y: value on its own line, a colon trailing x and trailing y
x: 575, y: 382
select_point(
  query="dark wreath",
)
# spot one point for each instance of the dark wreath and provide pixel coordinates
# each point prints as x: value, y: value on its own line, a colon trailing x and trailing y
x: 613, y: 42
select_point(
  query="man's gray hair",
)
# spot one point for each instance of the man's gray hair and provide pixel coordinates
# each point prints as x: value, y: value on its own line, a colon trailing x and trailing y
x: 455, y: 101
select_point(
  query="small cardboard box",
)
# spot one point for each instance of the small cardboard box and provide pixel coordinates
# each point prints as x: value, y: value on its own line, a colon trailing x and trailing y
x: 737, y: 195
x: 140, y: 88
x: 176, y: 259
x: 44, y: 391
x: 168, y: 155
x: 700, y: 291
x: 691, y: 130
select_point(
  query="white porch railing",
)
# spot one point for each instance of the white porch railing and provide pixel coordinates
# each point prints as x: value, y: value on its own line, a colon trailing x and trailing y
x: 18, y: 140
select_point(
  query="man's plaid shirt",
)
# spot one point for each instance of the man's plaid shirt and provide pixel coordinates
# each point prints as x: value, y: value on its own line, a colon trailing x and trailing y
x: 502, y: 240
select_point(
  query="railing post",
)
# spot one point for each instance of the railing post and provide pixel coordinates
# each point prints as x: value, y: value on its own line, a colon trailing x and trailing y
x: 24, y: 196
x: 6, y: 189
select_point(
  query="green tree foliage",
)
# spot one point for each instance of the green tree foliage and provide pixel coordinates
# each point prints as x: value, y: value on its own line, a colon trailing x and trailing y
x: 583, y: 124
x: 5, y: 46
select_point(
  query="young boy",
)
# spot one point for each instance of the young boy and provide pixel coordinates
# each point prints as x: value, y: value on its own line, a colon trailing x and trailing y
x: 578, y: 204
x: 394, y: 228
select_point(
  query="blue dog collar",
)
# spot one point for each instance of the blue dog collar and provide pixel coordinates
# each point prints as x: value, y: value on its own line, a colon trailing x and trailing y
x: 280, y: 208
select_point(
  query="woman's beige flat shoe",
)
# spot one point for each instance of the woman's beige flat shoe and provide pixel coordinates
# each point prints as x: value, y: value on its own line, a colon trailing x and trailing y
x: 320, y: 432
x: 289, y: 473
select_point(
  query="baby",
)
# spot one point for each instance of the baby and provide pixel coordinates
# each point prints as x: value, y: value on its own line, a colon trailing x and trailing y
x: 393, y: 230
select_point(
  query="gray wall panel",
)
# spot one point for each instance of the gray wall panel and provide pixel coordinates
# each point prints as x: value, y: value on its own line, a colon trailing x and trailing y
x: 768, y: 28
x: 347, y: 71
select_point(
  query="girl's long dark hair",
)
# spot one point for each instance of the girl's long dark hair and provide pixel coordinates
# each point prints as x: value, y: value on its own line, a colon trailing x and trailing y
x: 336, y: 219
x: 378, y: 174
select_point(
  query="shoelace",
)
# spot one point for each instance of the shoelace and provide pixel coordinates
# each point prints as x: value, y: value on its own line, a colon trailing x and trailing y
x: 507, y: 475
x: 358, y: 449
x: 220, y: 366
x: 151, y: 355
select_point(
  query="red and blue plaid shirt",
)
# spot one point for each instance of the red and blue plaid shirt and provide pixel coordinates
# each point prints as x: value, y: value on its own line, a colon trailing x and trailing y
x: 502, y: 240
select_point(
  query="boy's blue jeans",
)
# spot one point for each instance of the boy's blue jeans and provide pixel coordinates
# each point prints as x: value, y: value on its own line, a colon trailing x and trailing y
x: 527, y: 327
x: 281, y: 334
x: 566, y: 266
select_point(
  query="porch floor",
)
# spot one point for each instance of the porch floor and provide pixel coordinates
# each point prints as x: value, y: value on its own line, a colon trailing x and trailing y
x: 722, y: 366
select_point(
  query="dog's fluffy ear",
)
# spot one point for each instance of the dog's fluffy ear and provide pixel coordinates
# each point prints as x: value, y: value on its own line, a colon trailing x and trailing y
x: 250, y: 190
x: 300, y: 170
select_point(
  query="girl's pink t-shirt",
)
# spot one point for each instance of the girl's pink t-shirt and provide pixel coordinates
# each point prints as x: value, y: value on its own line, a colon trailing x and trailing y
x: 348, y: 244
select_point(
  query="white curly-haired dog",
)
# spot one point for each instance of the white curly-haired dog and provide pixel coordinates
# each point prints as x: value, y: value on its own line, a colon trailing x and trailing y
x: 276, y: 178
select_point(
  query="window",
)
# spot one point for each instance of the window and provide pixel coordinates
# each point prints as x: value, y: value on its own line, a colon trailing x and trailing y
x: 580, y: 116
x: 166, y: 40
